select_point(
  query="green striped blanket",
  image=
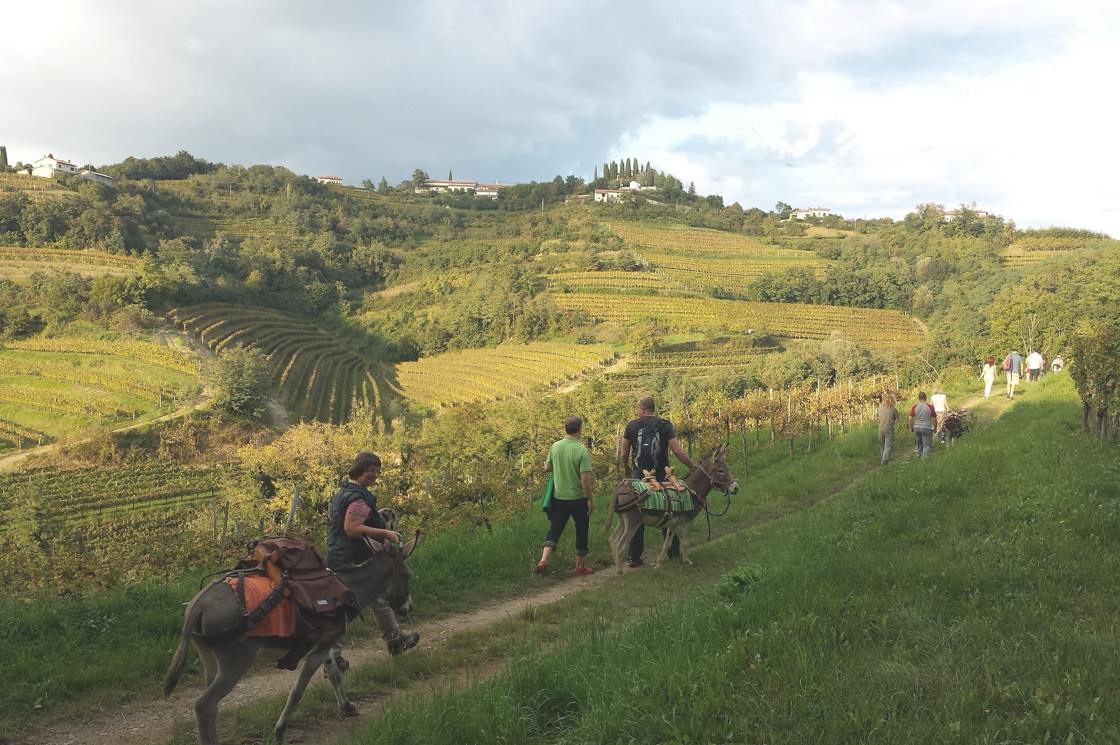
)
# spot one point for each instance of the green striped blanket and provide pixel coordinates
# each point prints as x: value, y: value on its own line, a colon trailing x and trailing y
x: 666, y: 500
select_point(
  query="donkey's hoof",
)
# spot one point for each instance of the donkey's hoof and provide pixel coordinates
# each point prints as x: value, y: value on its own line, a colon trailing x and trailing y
x: 349, y: 709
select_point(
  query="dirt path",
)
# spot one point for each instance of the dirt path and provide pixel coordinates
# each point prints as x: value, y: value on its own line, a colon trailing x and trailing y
x: 617, y: 365
x: 150, y: 722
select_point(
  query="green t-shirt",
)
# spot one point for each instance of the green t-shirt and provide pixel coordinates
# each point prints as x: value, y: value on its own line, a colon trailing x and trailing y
x: 569, y: 458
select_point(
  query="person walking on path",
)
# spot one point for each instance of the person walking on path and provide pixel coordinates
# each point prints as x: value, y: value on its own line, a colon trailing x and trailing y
x: 1013, y: 365
x: 888, y: 417
x: 1034, y: 366
x: 988, y: 375
x: 352, y: 517
x: 921, y: 422
x: 940, y: 404
x: 570, y: 464
x: 649, y: 438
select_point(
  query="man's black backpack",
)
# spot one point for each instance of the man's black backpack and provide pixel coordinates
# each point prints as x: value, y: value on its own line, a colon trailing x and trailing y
x: 647, y: 448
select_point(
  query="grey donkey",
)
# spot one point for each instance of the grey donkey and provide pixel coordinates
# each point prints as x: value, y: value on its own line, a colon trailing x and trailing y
x: 712, y: 472
x: 215, y: 609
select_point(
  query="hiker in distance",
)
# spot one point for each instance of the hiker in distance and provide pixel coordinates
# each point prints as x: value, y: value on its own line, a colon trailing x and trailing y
x: 888, y: 418
x: 353, y: 516
x: 569, y: 462
x: 922, y: 421
x: 649, y: 438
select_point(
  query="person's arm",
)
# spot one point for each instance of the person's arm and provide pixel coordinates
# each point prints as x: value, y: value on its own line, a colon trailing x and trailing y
x: 548, y: 463
x: 682, y: 456
x: 910, y: 419
x: 354, y: 527
x: 586, y: 483
x: 624, y: 457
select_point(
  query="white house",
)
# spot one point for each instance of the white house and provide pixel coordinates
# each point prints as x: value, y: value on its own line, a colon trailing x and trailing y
x: 51, y: 167
x: 91, y: 175
x: 951, y: 215
x: 336, y: 180
x: 804, y: 213
x: 441, y: 186
x: 608, y: 195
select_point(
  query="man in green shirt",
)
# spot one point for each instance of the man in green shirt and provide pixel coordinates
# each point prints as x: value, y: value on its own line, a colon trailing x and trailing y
x: 570, y: 464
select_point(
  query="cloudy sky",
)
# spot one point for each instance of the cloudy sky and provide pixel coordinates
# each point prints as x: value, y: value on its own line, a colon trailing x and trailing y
x: 865, y: 107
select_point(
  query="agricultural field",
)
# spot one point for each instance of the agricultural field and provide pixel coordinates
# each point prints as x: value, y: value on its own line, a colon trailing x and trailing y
x: 888, y: 330
x: 203, y: 227
x: 84, y: 496
x: 51, y: 388
x: 317, y: 374
x: 1032, y: 250
x: 19, y: 263
x: 498, y: 372
x: 693, y: 241
x: 36, y: 189
x: 699, y: 362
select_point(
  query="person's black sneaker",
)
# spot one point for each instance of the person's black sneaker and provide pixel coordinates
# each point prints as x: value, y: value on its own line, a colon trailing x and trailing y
x: 402, y: 644
x: 636, y: 563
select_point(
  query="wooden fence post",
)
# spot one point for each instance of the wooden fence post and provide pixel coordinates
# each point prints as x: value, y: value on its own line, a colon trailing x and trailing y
x: 294, y: 508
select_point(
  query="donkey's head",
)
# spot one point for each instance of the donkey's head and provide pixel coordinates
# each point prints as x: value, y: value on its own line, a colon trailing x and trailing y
x: 715, y: 468
x: 398, y: 576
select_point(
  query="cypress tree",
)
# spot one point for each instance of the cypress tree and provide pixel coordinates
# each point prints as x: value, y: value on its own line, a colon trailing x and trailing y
x: 596, y: 176
x: 449, y: 177
x: 614, y: 170
x: 606, y: 170
x: 3, y: 158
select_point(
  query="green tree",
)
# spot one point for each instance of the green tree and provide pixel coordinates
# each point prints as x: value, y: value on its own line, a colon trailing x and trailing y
x: 418, y: 178
x: 3, y: 158
x: 242, y: 381
x: 367, y: 184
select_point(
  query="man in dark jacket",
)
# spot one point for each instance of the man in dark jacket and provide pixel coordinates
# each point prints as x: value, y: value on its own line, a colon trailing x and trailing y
x: 649, y: 438
x: 352, y: 517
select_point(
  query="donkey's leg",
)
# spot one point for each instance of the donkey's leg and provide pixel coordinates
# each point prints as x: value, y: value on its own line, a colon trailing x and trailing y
x: 232, y: 662
x: 682, y: 533
x: 616, y: 540
x: 209, y: 663
x: 670, y: 531
x: 334, y: 675
x: 311, y: 663
x: 629, y: 522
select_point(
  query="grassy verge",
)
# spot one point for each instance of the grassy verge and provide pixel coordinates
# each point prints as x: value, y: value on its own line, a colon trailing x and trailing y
x: 971, y: 598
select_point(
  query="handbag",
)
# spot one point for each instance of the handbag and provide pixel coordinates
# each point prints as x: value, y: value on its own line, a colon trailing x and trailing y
x: 546, y: 498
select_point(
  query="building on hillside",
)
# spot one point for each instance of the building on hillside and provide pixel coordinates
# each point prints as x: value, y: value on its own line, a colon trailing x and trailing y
x: 336, y: 180
x: 443, y: 186
x: 608, y: 195
x: 804, y: 213
x: 91, y: 175
x: 950, y: 215
x: 51, y: 167
x: 576, y: 198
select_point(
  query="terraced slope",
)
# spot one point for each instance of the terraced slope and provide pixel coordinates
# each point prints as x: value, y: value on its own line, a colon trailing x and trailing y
x: 497, y: 372
x: 52, y: 388
x: 318, y: 375
x: 18, y: 262
x: 888, y: 330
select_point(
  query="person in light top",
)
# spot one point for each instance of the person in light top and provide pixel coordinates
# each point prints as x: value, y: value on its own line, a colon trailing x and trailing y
x: 1034, y: 365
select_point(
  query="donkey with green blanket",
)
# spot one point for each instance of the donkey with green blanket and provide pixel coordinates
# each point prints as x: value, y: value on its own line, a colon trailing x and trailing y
x: 637, y: 504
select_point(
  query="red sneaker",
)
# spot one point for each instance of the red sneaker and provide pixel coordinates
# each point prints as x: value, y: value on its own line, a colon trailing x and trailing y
x: 583, y: 570
x: 542, y: 567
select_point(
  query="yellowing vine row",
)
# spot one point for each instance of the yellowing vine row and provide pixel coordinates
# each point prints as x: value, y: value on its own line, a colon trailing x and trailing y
x: 496, y: 372
x: 882, y: 329
x: 318, y: 375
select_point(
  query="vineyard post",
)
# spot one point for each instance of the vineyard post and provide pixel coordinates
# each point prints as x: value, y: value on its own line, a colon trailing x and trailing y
x: 292, y: 511
x: 743, y: 442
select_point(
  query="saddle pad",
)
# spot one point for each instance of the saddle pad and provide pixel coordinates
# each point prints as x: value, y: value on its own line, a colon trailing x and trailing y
x: 666, y: 500
x: 280, y: 621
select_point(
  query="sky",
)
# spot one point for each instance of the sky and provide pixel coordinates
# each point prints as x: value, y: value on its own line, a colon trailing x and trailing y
x: 868, y: 108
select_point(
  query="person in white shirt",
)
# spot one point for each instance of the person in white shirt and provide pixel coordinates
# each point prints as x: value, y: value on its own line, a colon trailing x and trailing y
x: 988, y: 375
x: 940, y: 405
x: 1034, y: 365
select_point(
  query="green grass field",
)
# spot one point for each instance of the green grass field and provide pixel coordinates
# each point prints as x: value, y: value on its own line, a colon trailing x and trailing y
x: 969, y: 598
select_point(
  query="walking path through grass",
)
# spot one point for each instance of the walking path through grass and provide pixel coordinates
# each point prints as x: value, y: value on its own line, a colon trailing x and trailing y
x: 461, y: 645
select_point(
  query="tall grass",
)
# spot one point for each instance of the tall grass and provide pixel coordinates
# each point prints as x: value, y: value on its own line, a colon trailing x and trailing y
x: 968, y: 598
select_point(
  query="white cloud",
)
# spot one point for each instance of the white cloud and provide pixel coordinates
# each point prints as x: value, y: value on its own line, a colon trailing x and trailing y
x: 1033, y: 141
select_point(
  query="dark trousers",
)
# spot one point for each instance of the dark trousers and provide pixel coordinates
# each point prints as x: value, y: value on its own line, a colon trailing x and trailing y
x: 638, y: 545
x: 558, y: 514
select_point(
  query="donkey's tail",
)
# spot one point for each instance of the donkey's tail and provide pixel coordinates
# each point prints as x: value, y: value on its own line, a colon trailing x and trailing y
x: 179, y: 661
x: 610, y: 514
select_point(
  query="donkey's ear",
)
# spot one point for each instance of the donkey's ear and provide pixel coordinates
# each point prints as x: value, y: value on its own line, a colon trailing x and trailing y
x: 411, y: 545
x: 375, y: 546
x: 719, y: 452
